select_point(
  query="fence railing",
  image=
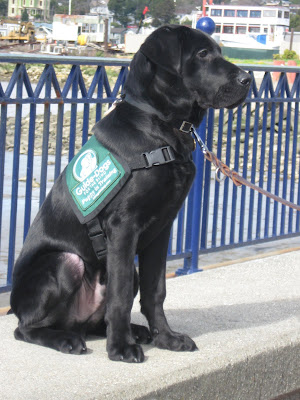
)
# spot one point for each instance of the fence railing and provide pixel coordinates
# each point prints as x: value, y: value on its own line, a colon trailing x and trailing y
x: 49, y: 104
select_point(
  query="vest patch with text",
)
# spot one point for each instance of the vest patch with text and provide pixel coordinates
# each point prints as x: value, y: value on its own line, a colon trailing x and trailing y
x: 93, y: 177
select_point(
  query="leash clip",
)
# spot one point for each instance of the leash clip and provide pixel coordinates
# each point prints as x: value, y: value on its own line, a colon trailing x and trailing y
x: 206, y: 151
x: 202, y: 145
x: 112, y: 107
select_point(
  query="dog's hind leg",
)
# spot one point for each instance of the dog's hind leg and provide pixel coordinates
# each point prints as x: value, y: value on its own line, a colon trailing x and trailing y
x: 64, y: 341
x: 41, y: 298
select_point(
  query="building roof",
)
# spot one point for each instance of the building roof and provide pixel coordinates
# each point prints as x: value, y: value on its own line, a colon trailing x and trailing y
x: 118, y: 30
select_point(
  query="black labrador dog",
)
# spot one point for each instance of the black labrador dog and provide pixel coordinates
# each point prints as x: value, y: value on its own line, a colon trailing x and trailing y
x: 62, y: 290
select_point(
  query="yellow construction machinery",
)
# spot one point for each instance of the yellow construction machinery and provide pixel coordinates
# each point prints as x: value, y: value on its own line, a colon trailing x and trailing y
x: 25, y: 33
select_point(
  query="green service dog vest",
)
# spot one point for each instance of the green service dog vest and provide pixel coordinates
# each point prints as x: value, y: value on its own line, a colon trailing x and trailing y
x: 95, y: 175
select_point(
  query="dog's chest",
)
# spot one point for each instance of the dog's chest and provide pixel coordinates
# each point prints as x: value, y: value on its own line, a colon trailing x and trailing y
x: 176, y: 185
x: 89, y: 301
x: 161, y: 200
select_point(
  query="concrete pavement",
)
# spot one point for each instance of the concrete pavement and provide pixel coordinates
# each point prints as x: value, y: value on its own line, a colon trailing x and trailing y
x: 244, y: 319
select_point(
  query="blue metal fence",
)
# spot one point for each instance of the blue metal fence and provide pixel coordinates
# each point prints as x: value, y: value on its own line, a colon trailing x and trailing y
x: 43, y: 124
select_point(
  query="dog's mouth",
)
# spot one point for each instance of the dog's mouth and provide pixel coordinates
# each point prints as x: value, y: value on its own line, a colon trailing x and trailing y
x: 237, y: 103
x: 228, y: 98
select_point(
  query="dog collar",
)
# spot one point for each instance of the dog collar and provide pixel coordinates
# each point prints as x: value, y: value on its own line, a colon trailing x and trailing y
x: 184, y: 126
x: 143, y: 106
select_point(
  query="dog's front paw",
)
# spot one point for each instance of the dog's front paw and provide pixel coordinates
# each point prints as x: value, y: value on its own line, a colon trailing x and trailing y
x: 174, y: 341
x: 131, y: 353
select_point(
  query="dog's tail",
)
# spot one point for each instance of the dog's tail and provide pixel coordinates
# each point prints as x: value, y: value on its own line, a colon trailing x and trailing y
x: 5, y: 311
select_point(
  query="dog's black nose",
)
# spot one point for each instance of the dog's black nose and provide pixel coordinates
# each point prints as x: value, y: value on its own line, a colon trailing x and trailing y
x: 244, y: 78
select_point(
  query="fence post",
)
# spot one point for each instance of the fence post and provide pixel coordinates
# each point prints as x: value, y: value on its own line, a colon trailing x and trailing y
x: 198, y: 192
x: 192, y: 243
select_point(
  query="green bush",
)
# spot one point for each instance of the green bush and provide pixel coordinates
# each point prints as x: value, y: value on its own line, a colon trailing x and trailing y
x: 289, y: 55
x: 276, y: 57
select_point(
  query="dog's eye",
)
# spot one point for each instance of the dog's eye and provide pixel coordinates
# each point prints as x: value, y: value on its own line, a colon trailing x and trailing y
x: 202, y: 53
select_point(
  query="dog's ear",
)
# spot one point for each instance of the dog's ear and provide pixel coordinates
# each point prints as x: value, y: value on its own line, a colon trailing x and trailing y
x: 164, y: 48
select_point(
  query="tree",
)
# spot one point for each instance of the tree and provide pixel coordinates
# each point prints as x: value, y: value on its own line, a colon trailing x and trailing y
x: 3, y: 7
x: 80, y: 7
x: 162, y: 11
x: 295, y: 21
x: 25, y: 16
x: 59, y: 7
x: 123, y: 11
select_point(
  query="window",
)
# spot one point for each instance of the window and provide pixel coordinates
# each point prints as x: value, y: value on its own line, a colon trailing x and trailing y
x: 93, y: 28
x: 218, y: 29
x: 255, y: 14
x: 216, y: 13
x: 13, y: 10
x: 85, y: 28
x: 286, y: 15
x: 41, y: 4
x: 229, y: 13
x: 13, y: 2
x: 242, y: 13
x: 254, y: 29
x: 228, y: 29
x: 279, y: 14
x: 241, y: 29
x: 269, y: 13
x: 24, y: 2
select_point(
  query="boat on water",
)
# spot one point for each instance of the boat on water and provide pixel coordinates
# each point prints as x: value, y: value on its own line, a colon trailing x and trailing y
x: 257, y: 30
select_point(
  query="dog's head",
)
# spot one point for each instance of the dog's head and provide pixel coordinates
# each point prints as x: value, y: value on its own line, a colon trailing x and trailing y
x: 181, y: 70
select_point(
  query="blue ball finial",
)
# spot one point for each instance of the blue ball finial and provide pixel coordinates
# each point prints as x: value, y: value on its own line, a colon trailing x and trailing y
x: 206, y: 25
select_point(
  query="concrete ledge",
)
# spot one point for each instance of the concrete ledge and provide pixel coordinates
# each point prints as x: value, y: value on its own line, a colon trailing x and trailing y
x: 244, y: 319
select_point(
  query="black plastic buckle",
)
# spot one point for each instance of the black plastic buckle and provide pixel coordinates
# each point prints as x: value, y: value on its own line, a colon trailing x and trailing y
x: 163, y: 155
x: 99, y: 243
x: 186, y: 127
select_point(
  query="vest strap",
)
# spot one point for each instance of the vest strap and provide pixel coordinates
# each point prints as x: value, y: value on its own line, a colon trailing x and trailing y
x: 97, y: 237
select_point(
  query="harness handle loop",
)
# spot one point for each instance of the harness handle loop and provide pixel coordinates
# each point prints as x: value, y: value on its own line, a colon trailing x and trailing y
x: 222, y: 179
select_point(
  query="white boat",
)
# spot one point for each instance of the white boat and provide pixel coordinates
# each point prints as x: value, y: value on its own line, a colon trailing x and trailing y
x: 244, y: 41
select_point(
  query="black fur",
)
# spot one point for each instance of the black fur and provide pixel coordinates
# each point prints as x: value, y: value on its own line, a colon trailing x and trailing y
x: 61, y: 291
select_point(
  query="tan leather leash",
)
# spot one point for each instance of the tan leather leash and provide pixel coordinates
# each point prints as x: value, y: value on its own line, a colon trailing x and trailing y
x: 237, y: 179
